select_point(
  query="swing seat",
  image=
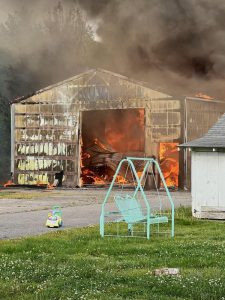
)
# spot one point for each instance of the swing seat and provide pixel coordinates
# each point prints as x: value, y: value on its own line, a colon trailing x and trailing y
x: 132, y: 212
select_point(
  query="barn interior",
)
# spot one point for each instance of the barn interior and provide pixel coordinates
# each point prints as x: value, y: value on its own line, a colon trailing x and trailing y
x: 107, y: 137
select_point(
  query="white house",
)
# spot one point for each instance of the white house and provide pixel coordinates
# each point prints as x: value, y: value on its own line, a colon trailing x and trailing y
x: 208, y: 172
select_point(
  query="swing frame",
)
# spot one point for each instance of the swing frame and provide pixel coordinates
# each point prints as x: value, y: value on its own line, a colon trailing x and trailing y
x: 150, y: 219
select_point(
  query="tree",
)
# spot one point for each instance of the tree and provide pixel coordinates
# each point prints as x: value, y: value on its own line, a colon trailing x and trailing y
x: 5, y: 139
x: 41, y: 50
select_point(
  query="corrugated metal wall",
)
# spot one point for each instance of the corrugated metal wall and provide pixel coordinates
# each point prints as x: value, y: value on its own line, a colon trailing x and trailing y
x: 46, y: 141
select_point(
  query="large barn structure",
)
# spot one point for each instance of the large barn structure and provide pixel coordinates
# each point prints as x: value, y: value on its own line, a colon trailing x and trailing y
x: 83, y: 126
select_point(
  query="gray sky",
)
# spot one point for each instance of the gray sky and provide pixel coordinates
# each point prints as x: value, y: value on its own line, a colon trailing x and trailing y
x: 5, y: 8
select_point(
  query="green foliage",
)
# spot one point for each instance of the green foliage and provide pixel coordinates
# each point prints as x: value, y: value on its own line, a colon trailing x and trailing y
x: 78, y: 264
x: 44, y: 50
x: 18, y: 195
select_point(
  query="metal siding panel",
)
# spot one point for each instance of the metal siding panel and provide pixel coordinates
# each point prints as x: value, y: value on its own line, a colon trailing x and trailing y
x: 198, y: 124
x: 19, y: 108
x: 163, y: 121
x: 49, y: 143
x: 33, y: 109
x: 20, y: 121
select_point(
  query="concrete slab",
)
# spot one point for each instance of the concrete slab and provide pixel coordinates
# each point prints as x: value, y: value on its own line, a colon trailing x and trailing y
x: 80, y: 207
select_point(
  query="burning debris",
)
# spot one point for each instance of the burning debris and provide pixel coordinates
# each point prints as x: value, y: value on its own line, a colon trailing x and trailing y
x: 8, y: 183
x: 169, y: 163
x: 120, y: 134
x: 99, y: 163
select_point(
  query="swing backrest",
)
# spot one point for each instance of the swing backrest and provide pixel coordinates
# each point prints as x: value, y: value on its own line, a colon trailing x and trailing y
x: 129, y: 208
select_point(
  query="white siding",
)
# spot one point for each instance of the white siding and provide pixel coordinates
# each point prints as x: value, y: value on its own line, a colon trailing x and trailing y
x: 208, y: 181
x: 221, y: 180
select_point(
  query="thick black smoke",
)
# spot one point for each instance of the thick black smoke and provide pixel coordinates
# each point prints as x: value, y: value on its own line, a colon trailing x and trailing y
x: 176, y: 44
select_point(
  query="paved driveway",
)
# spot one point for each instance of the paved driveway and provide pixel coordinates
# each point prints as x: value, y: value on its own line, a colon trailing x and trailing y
x: 80, y: 207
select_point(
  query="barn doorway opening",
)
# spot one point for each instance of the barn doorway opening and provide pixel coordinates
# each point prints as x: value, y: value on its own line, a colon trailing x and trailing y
x: 107, y: 137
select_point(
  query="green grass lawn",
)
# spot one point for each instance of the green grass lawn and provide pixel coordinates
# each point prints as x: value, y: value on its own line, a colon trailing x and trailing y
x: 78, y: 264
x: 18, y: 195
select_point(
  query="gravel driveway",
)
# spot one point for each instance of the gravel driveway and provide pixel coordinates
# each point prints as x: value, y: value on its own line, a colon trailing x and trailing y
x: 80, y: 207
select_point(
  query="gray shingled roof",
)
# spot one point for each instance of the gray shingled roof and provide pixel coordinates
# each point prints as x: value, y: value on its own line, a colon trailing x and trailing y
x: 214, y: 138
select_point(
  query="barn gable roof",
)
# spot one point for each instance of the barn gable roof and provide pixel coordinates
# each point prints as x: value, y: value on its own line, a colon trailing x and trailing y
x: 214, y: 138
x: 106, y: 80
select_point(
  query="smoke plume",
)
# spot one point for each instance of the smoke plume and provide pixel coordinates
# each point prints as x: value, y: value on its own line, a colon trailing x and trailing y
x: 178, y: 45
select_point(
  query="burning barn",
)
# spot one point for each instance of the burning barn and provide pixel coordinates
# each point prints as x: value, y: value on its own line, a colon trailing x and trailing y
x: 83, y: 126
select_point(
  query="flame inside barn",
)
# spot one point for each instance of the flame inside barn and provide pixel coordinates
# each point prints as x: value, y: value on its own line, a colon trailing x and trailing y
x: 85, y: 125
x: 107, y: 136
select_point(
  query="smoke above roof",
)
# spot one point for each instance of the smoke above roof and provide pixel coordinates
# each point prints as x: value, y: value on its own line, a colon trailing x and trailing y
x: 184, y: 36
x: 176, y: 45
x: 178, y: 41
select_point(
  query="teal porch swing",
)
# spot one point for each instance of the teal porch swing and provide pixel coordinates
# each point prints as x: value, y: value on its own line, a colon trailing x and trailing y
x: 133, y: 206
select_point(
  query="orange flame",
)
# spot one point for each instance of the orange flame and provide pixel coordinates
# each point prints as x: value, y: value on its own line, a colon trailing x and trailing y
x: 169, y: 163
x: 8, y: 183
x: 50, y: 186
x: 98, y: 180
x: 120, y: 179
x: 97, y: 142
x: 203, y: 96
x: 139, y: 174
x: 132, y: 136
x: 120, y: 135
